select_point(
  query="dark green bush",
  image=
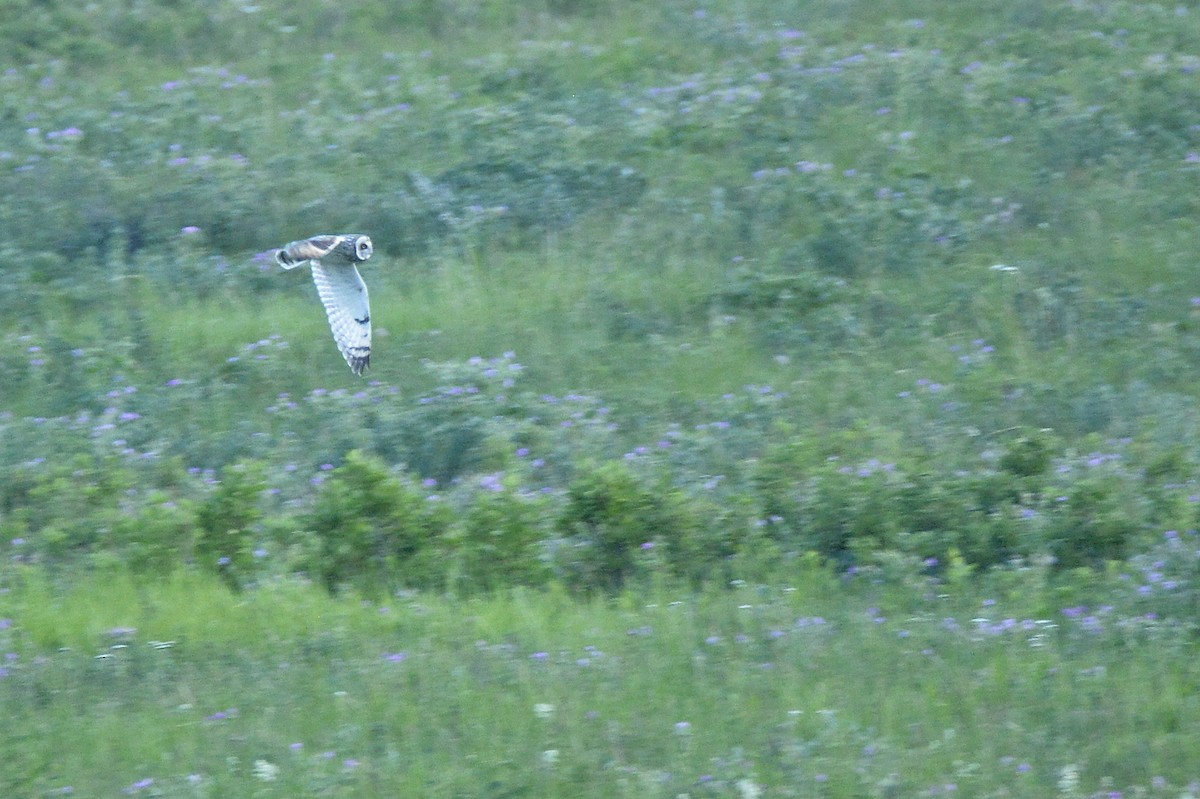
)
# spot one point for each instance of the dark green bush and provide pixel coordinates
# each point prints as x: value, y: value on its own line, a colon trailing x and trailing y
x: 498, y: 541
x: 64, y: 510
x: 611, y: 516
x: 606, y: 519
x: 1028, y: 456
x: 1097, y: 521
x: 159, y: 537
x: 839, y: 511
x: 974, y: 515
x: 227, y: 521
x: 708, y: 535
x: 987, y: 517
x: 376, y: 530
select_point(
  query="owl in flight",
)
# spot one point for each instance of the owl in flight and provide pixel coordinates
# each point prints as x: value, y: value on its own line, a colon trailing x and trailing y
x: 341, y: 288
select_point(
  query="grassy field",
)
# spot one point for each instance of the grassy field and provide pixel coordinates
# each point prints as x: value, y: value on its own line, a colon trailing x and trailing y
x: 826, y: 687
x: 767, y: 399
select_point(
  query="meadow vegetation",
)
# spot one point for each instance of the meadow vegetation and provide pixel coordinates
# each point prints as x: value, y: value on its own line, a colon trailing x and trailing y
x: 768, y: 399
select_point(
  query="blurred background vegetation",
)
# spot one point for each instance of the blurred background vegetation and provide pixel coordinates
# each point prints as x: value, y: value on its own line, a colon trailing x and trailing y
x: 744, y: 279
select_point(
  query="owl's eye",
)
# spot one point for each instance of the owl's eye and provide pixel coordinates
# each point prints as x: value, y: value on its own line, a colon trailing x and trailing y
x: 363, y: 247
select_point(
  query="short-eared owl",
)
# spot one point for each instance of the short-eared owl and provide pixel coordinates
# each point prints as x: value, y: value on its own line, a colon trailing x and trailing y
x: 340, y: 287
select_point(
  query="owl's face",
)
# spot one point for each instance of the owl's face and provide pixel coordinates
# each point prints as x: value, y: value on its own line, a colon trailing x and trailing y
x: 355, y: 247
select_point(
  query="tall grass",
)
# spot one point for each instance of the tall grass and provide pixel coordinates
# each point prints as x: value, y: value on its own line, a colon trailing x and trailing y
x: 811, y: 690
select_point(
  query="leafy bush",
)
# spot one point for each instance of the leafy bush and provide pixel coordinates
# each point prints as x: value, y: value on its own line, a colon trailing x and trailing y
x: 227, y: 521
x: 840, y: 510
x: 159, y: 537
x: 987, y: 518
x: 1096, y: 522
x: 708, y: 537
x: 64, y: 511
x: 376, y: 530
x: 1028, y: 456
x: 606, y: 520
x: 610, y: 517
x: 975, y: 517
x: 497, y: 541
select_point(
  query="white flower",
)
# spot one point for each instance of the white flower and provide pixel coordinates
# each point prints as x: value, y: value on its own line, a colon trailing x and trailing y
x: 749, y: 789
x: 1068, y: 780
x: 265, y: 771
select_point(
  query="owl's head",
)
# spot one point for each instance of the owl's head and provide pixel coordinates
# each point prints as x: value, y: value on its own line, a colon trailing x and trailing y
x: 356, y: 247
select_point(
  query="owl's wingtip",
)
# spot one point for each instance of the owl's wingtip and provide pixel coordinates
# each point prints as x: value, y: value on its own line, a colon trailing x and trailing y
x: 359, y: 363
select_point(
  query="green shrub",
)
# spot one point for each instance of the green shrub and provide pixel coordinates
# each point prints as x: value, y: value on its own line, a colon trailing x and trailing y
x: 606, y: 519
x: 1097, y: 521
x: 376, y: 530
x: 65, y: 510
x: 988, y: 518
x: 498, y: 541
x: 158, y: 538
x: 971, y: 516
x: 610, y: 517
x: 708, y: 535
x: 1028, y: 456
x: 842, y: 510
x: 227, y: 522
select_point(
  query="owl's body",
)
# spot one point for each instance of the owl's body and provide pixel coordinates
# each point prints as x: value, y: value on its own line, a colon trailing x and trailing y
x: 333, y: 260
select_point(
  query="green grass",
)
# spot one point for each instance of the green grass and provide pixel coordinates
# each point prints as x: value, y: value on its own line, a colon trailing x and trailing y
x: 808, y: 689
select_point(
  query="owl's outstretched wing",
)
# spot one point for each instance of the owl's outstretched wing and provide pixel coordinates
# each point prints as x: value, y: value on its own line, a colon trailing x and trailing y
x: 297, y: 252
x: 344, y: 295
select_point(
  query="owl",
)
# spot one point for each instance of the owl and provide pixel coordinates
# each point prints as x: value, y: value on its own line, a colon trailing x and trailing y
x: 341, y: 288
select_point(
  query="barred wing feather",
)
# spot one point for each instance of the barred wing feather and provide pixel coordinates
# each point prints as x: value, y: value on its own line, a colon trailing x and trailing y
x: 344, y: 295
